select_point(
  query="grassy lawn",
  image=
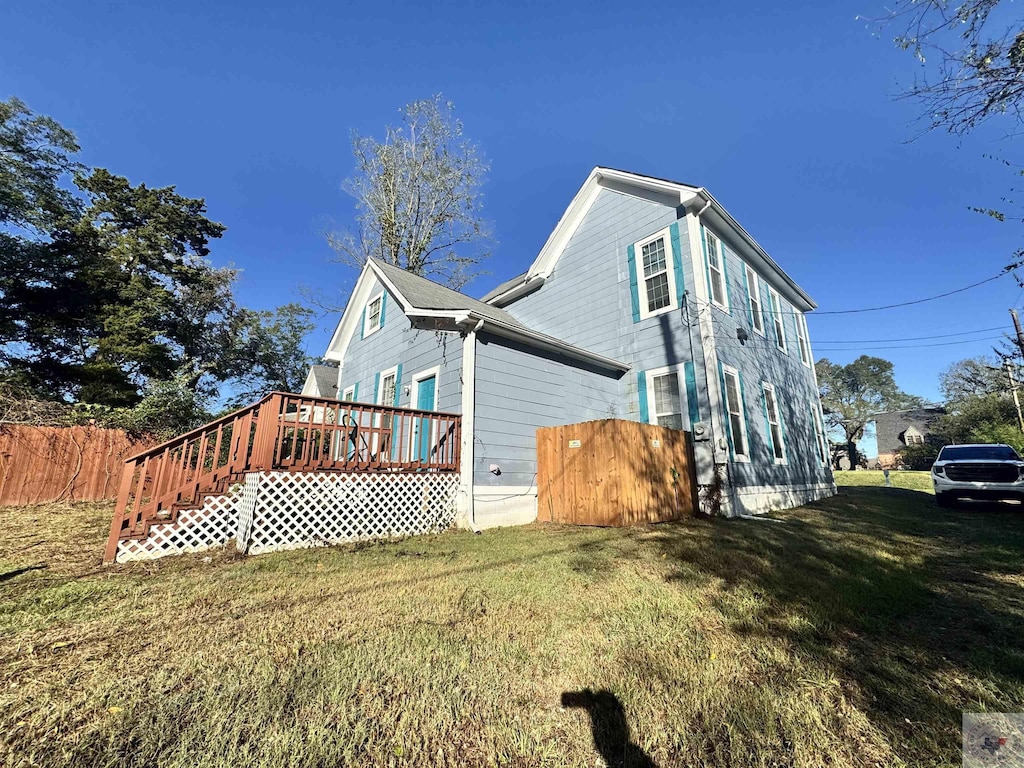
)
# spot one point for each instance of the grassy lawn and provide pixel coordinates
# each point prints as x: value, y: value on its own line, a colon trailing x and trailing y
x: 853, y: 633
x: 910, y: 481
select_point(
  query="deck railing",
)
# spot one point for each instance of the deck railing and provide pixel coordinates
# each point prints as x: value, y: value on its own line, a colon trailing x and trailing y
x: 285, y: 432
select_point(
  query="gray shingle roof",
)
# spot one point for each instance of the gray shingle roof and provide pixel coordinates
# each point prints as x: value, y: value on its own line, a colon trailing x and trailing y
x: 326, y: 378
x: 504, y: 287
x: 426, y: 294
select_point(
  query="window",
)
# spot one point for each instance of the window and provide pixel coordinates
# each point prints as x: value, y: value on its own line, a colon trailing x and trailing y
x: 819, y: 432
x: 734, y: 408
x: 349, y: 395
x: 754, y: 300
x: 658, y: 281
x: 388, y: 384
x: 801, y: 337
x: 771, y: 414
x: 373, y: 319
x: 716, y: 272
x: 666, y: 400
x: 775, y: 307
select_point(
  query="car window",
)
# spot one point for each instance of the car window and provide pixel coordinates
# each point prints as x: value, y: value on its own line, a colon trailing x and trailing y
x: 975, y: 452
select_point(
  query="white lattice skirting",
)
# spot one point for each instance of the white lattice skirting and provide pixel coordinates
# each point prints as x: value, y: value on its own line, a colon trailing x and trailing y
x: 292, y: 510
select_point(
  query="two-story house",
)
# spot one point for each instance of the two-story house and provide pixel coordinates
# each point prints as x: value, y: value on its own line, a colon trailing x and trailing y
x: 647, y: 302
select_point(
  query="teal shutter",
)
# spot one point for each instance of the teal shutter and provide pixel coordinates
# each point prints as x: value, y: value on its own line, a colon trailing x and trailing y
x: 362, y: 326
x: 396, y: 417
x: 691, y: 393
x: 634, y: 288
x: 725, y: 409
x: 383, y: 306
x: 746, y: 286
x: 376, y: 386
x: 355, y: 392
x: 398, y: 383
x: 707, y: 266
x: 677, y: 261
x: 641, y: 388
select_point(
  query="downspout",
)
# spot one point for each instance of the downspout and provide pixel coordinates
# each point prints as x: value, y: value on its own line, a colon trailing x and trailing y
x: 466, y: 454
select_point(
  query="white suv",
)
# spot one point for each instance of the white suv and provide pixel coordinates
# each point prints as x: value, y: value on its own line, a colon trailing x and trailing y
x: 977, y: 472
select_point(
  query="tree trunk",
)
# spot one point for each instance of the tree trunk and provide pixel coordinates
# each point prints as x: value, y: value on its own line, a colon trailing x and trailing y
x: 851, y: 452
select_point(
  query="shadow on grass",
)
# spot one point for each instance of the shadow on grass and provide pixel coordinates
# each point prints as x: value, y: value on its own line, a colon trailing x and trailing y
x: 609, y: 727
x: 19, y: 571
x: 918, y: 609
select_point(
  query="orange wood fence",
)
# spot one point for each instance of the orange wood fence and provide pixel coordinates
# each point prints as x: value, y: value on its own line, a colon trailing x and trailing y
x: 42, y: 464
x: 614, y: 473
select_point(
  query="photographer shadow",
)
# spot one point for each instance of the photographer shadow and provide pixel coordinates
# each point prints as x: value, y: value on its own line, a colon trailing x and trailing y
x: 609, y: 727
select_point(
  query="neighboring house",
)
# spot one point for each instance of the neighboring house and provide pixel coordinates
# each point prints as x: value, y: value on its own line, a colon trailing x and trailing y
x: 648, y: 302
x: 321, y: 381
x: 898, y: 429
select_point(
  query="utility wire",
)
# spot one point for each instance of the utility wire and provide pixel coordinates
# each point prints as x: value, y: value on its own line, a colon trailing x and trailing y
x: 915, y: 301
x: 908, y: 338
x: 910, y: 346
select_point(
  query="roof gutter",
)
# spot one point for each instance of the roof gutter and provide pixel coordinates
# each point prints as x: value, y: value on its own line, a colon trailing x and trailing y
x: 529, y: 285
x: 545, y: 342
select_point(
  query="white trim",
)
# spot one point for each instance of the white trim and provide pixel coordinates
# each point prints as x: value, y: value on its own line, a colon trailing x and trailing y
x: 754, y: 294
x: 665, y: 236
x: 414, y: 403
x: 680, y: 382
x: 766, y: 387
x: 417, y: 378
x: 466, y: 507
x: 352, y: 317
x: 349, y: 394
x: 502, y: 505
x: 393, y: 371
x: 743, y: 458
x: 367, y: 330
x: 820, y: 436
x: 778, y: 320
x: 758, y: 499
x: 720, y: 269
x: 671, y: 193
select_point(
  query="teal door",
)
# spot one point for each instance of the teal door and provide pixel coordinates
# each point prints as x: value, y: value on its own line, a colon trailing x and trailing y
x: 426, y: 394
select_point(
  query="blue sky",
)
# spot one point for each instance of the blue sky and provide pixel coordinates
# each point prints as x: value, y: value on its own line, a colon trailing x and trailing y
x: 784, y: 111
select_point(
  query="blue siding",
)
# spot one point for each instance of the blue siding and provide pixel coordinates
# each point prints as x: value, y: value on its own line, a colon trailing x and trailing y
x: 518, y: 391
x: 398, y: 343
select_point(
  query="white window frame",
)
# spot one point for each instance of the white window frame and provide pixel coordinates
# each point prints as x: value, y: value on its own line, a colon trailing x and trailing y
x: 728, y: 370
x: 652, y: 402
x: 719, y: 251
x: 754, y: 299
x: 414, y: 403
x: 348, y: 395
x: 779, y: 323
x: 367, y: 328
x: 380, y: 386
x: 803, y: 341
x: 822, y: 438
x: 766, y: 388
x: 641, y: 277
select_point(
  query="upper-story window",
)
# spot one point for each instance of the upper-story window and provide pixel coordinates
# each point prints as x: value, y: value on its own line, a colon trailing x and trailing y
x: 658, y: 284
x: 716, y: 271
x: 801, y: 338
x: 754, y: 299
x: 734, y: 409
x: 373, y: 318
x: 775, y: 307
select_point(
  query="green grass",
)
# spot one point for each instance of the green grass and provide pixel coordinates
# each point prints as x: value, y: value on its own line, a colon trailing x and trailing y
x: 852, y: 633
x: 911, y: 481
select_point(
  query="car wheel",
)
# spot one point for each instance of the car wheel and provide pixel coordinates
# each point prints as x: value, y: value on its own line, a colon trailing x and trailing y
x: 945, y: 500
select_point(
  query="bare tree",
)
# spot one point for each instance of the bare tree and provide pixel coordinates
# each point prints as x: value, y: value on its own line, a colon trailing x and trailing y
x: 972, y: 58
x: 418, y: 197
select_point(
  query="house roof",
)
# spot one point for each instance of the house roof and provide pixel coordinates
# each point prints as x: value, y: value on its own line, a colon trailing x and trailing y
x: 324, y: 378
x: 423, y: 298
x: 506, y: 286
x: 668, y: 192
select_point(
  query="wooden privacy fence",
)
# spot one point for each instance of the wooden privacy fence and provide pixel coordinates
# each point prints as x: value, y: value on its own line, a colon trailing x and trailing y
x: 614, y: 473
x: 42, y: 464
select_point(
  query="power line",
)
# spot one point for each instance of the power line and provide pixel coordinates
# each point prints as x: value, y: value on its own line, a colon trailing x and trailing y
x: 908, y: 338
x: 909, y: 346
x: 915, y: 301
